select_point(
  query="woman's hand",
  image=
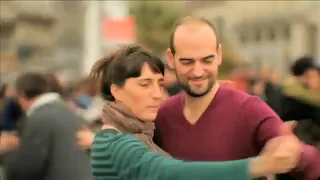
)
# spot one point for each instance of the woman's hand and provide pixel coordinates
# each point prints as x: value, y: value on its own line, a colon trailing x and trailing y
x: 85, y: 138
x: 280, y: 154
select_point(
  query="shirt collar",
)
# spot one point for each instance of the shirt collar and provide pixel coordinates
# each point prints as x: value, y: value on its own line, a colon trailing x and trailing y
x: 42, y: 100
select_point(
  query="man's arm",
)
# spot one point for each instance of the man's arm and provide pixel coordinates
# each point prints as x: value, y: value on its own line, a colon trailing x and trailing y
x: 266, y: 125
x: 29, y: 159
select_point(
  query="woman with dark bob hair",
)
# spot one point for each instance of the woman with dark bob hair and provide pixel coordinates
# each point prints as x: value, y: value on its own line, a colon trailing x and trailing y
x: 131, y: 80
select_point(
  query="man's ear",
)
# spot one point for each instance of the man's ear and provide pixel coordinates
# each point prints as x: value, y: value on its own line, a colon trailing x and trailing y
x: 219, y: 54
x: 170, y: 59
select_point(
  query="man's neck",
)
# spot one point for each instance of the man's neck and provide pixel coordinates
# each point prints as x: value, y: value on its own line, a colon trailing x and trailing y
x: 195, y: 106
x: 41, y: 100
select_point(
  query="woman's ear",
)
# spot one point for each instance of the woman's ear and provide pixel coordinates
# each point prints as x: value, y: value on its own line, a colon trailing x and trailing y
x: 116, y: 92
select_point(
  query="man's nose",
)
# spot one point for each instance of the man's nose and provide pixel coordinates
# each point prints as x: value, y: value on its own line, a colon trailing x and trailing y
x: 198, y: 69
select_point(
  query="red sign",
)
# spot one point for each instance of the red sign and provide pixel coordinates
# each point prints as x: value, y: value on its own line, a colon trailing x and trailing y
x: 119, y: 29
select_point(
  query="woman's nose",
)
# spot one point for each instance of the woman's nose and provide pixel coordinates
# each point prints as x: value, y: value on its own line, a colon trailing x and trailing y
x: 157, y: 92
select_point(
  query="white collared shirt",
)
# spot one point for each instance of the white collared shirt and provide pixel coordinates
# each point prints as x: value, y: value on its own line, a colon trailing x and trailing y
x: 42, y: 100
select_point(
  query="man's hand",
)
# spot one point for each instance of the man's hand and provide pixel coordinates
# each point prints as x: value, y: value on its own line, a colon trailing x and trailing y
x: 284, y: 153
x: 280, y: 154
x: 8, y: 142
x: 85, y: 138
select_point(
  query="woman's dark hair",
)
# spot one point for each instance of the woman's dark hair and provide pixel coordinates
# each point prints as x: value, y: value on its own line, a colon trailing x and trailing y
x: 124, y: 63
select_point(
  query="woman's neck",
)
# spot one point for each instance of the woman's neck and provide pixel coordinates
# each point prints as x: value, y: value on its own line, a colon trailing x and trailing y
x: 107, y: 126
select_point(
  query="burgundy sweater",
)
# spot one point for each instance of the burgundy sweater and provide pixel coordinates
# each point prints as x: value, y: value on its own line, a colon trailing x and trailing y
x: 234, y: 126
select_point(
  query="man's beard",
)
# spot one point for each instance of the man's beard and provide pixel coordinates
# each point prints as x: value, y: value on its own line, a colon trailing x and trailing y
x: 191, y: 93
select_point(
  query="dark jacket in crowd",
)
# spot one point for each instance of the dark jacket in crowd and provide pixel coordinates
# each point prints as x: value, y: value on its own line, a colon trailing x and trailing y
x: 174, y: 89
x: 10, y: 114
x: 273, y: 94
x: 305, y: 111
x: 48, y: 149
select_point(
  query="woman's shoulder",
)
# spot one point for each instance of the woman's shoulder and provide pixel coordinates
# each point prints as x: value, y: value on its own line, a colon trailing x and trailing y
x: 107, y: 135
x: 112, y: 136
x: 115, y: 142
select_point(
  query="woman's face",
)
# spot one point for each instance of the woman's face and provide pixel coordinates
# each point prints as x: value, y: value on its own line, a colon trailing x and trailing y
x: 142, y: 95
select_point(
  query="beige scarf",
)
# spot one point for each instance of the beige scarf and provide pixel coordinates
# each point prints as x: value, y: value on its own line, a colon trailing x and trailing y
x: 122, y: 119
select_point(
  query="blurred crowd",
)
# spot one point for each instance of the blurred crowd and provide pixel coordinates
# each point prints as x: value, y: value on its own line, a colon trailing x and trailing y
x: 82, y: 96
x: 296, y: 97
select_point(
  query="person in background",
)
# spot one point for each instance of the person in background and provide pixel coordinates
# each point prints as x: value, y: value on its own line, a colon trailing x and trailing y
x: 56, y: 85
x: 302, y: 97
x: 48, y: 149
x: 213, y: 122
x: 241, y: 78
x: 88, y: 102
x: 171, y: 83
x: 305, y: 84
x: 3, y: 90
x: 8, y: 141
x: 301, y: 100
x: 124, y: 149
x: 11, y: 111
x: 84, y: 93
x: 257, y: 88
x: 267, y: 88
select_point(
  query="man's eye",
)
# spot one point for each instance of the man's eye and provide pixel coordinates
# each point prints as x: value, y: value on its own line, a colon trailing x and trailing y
x: 208, y: 60
x: 186, y: 62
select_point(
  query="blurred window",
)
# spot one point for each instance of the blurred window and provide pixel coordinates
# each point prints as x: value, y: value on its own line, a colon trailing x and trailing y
x: 25, y: 52
x: 5, y: 38
x: 257, y: 35
x: 287, y: 32
x: 272, y: 34
x: 243, y: 38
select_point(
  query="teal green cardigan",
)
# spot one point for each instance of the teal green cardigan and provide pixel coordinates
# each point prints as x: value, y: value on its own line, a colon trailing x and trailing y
x: 120, y: 156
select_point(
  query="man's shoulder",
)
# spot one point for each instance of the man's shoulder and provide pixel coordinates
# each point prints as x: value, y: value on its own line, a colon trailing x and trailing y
x: 55, y: 112
x: 241, y: 99
x: 172, y: 103
x: 230, y: 94
x: 48, y: 110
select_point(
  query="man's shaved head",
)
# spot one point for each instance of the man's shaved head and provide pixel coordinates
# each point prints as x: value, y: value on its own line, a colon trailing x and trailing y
x: 192, y: 23
x: 195, y: 54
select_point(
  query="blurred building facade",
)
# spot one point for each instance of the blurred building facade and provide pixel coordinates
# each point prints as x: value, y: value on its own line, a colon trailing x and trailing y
x: 25, y: 31
x: 40, y: 34
x: 266, y: 33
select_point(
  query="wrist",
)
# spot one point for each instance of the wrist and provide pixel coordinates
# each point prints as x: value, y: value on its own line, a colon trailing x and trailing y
x: 260, y: 166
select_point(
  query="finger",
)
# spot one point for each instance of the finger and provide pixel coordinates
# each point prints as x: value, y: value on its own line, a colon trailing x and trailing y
x: 286, y: 128
x: 292, y: 124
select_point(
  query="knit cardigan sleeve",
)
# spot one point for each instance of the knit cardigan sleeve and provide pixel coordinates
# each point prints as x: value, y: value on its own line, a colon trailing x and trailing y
x: 115, y: 155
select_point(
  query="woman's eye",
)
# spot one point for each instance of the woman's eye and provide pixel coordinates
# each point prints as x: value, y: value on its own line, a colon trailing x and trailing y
x: 144, y: 85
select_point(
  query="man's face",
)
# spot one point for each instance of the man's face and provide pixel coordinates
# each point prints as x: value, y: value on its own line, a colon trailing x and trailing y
x: 196, y: 59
